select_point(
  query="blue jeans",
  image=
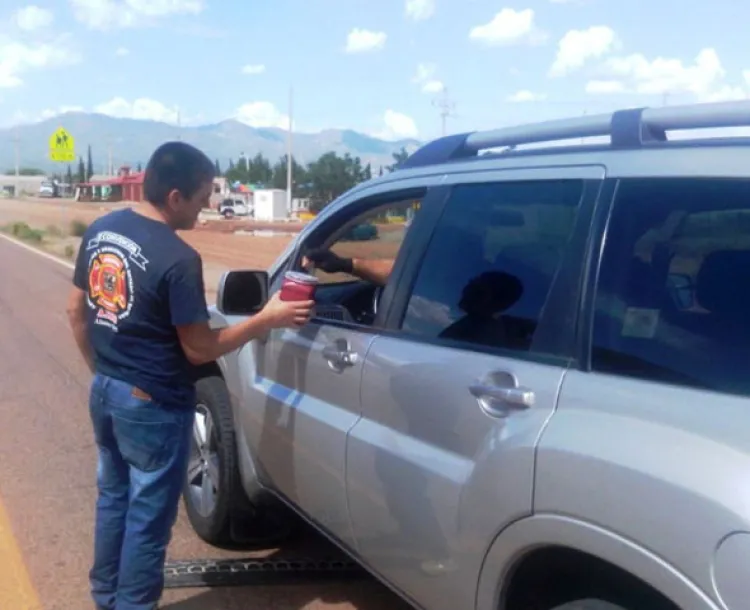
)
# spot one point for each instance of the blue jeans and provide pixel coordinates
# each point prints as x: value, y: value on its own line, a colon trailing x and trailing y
x: 143, y: 453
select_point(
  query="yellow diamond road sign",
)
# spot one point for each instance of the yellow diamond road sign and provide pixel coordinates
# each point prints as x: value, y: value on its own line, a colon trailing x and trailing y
x: 62, y: 146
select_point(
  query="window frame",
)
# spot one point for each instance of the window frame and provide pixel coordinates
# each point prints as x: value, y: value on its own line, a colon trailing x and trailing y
x: 360, y: 203
x: 571, y: 276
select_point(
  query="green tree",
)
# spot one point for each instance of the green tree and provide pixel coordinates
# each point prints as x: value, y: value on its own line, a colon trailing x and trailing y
x: 278, y: 178
x: 69, y: 175
x: 25, y: 171
x: 259, y: 170
x: 89, y: 165
x: 238, y: 172
x: 330, y: 176
x: 138, y: 167
x: 81, y: 170
x: 398, y: 158
x: 217, y: 167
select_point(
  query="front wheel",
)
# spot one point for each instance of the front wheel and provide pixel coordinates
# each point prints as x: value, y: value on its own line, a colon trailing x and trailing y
x: 214, y: 501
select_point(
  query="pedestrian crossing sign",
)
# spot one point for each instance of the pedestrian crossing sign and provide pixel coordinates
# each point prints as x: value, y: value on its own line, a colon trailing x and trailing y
x: 62, y: 146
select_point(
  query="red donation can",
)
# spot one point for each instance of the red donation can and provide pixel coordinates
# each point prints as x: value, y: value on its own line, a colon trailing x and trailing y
x: 298, y: 286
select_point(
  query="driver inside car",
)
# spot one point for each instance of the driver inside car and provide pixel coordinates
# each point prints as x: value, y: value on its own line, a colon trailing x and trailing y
x: 376, y: 271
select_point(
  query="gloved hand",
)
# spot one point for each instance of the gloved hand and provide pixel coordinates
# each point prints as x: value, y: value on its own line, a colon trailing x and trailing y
x: 329, y: 262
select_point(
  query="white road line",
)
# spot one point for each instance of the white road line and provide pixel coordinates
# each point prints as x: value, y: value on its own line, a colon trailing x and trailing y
x: 41, y: 253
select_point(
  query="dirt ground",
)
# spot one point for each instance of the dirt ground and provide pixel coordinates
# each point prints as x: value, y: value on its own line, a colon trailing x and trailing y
x: 223, y: 245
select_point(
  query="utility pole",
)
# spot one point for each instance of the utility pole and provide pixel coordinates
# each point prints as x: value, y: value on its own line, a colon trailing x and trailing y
x: 289, y: 156
x: 179, y: 125
x: 665, y: 98
x: 446, y: 107
x: 110, y: 169
x: 17, y: 151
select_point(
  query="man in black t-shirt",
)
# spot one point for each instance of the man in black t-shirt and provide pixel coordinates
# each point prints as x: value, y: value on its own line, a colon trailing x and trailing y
x: 138, y: 314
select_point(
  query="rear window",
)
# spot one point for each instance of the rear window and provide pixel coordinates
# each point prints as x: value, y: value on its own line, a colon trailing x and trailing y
x: 673, y: 298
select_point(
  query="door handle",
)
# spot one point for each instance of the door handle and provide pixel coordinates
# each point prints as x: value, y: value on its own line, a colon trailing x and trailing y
x: 497, y: 400
x: 338, y: 357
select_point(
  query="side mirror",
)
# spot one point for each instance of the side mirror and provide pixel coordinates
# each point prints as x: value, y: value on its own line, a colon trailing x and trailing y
x: 242, y: 292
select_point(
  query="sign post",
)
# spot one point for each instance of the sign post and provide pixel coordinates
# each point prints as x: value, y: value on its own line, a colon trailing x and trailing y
x: 62, y: 150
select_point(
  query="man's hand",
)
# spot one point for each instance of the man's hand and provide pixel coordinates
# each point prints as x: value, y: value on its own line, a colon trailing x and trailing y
x: 285, y: 314
x: 329, y: 262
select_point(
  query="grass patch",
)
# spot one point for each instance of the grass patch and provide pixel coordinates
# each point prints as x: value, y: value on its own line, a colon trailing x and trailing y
x: 23, y: 231
x: 78, y: 228
x: 69, y: 252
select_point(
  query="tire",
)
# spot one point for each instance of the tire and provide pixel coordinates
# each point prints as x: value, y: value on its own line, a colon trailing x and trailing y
x: 230, y: 521
x: 212, y: 521
x: 228, y: 214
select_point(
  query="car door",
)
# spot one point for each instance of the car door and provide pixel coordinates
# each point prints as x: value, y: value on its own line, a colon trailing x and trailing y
x: 457, y: 391
x: 303, y: 396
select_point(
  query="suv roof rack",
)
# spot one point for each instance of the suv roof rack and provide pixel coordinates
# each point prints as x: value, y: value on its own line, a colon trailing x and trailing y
x: 629, y: 128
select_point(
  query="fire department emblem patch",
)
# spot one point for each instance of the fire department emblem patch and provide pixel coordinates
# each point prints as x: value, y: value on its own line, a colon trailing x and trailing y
x: 110, y: 287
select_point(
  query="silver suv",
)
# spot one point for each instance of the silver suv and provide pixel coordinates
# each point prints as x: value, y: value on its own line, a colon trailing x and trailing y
x: 546, y: 403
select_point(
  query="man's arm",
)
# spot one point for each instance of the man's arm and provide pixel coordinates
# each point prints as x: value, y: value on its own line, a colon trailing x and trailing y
x: 77, y: 319
x: 189, y: 315
x: 203, y: 344
x: 376, y: 271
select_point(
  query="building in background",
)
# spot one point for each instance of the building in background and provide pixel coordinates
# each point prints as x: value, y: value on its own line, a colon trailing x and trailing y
x: 10, y: 186
x: 125, y: 186
x: 270, y: 204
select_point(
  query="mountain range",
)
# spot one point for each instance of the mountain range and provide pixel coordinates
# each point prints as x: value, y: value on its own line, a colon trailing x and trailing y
x: 132, y: 141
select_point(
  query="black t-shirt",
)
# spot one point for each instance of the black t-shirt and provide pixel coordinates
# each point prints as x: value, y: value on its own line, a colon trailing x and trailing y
x: 141, y: 281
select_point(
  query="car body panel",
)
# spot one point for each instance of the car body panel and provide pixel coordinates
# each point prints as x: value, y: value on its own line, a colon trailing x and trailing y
x: 430, y: 475
x: 655, y: 463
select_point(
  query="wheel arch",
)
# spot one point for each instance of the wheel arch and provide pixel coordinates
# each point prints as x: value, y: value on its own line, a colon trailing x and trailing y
x: 536, y: 539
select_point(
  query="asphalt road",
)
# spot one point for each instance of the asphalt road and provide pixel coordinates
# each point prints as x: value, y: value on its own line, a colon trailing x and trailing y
x: 47, y: 467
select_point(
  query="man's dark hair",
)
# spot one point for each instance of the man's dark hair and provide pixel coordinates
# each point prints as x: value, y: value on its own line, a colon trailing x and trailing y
x: 176, y: 165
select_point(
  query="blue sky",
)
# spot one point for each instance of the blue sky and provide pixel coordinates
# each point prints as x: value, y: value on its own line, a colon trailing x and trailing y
x: 377, y: 67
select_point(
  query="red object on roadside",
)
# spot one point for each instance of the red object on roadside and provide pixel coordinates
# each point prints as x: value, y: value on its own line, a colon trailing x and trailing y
x: 298, y: 286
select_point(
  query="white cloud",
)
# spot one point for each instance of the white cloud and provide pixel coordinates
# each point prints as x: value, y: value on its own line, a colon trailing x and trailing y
x: 433, y: 86
x: 360, y: 41
x: 253, y: 69
x: 53, y: 112
x: 576, y: 47
x: 397, y: 126
x: 141, y: 108
x: 524, y: 95
x: 122, y: 52
x: 262, y: 114
x: 30, y: 18
x: 109, y: 14
x: 508, y: 27
x: 16, y: 58
x: 703, y: 78
x: 605, y: 86
x: 419, y: 10
x: 425, y: 78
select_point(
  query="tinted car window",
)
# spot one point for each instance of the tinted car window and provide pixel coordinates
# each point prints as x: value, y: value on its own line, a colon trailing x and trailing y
x: 491, y: 262
x: 674, y: 284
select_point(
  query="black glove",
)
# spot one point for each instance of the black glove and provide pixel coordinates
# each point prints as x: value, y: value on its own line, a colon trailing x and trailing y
x: 329, y: 262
